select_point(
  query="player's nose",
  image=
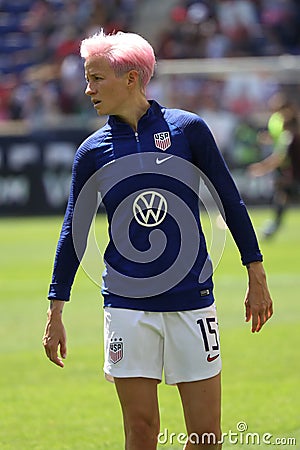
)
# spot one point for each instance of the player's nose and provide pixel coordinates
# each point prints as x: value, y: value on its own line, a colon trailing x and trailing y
x: 89, y: 90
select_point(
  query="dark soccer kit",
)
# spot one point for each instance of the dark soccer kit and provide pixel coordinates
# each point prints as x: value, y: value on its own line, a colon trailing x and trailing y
x: 148, y: 182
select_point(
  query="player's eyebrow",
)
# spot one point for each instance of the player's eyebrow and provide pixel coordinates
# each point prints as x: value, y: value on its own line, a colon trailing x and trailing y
x: 89, y: 75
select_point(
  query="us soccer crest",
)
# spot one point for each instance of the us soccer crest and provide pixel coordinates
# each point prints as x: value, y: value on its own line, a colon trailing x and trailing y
x: 162, y: 140
x: 116, y: 350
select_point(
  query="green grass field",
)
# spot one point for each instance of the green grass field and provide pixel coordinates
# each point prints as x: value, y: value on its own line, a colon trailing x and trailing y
x: 44, y: 407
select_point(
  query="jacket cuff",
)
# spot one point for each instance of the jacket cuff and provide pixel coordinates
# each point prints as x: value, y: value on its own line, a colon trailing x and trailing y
x: 59, y: 292
x: 252, y: 258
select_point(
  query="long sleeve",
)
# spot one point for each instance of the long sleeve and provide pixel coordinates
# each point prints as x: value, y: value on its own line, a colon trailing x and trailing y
x: 209, y: 160
x: 82, y: 205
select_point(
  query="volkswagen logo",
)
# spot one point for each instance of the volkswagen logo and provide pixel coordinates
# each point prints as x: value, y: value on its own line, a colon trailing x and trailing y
x: 150, y: 208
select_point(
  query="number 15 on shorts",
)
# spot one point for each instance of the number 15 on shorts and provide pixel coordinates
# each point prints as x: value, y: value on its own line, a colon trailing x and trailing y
x: 210, y: 335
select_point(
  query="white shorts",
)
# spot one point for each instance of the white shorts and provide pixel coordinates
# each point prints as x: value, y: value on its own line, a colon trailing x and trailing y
x: 184, y: 344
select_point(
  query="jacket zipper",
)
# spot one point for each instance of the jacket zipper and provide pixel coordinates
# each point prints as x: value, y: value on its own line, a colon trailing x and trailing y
x: 138, y: 144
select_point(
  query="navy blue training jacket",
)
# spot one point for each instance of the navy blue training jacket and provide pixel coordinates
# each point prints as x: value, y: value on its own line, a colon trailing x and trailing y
x: 148, y: 182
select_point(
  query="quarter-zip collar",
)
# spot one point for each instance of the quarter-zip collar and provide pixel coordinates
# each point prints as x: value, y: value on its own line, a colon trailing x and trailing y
x: 145, y: 120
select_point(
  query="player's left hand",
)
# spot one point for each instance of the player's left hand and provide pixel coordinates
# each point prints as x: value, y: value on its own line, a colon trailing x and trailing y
x: 258, y: 302
x: 54, y: 338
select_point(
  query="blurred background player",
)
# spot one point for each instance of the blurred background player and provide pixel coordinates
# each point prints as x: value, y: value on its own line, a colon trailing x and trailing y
x: 284, y: 161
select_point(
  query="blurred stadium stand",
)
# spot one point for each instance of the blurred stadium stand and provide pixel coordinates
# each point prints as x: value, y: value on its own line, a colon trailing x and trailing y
x: 41, y: 72
x: 151, y: 18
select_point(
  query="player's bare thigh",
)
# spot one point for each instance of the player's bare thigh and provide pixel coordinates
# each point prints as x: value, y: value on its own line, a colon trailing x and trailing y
x: 201, y: 401
x: 139, y: 403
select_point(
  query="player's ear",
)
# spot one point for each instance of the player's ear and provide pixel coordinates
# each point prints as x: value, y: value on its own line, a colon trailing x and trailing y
x: 132, y: 77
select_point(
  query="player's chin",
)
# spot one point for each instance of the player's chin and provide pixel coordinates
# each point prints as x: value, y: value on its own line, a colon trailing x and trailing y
x: 100, y: 110
x: 103, y: 112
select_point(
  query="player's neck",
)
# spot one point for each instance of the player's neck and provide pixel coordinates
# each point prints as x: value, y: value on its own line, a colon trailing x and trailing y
x: 134, y: 111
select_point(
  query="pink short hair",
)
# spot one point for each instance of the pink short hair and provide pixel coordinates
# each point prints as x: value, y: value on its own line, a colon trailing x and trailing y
x: 124, y: 51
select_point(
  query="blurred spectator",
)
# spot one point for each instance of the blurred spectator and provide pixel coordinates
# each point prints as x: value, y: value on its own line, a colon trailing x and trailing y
x: 217, y: 28
x: 280, y: 20
x: 238, y: 21
x: 39, y: 49
x: 221, y: 121
x: 245, y: 94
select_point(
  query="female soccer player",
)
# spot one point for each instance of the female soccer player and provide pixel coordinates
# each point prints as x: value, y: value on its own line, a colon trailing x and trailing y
x: 146, y: 163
